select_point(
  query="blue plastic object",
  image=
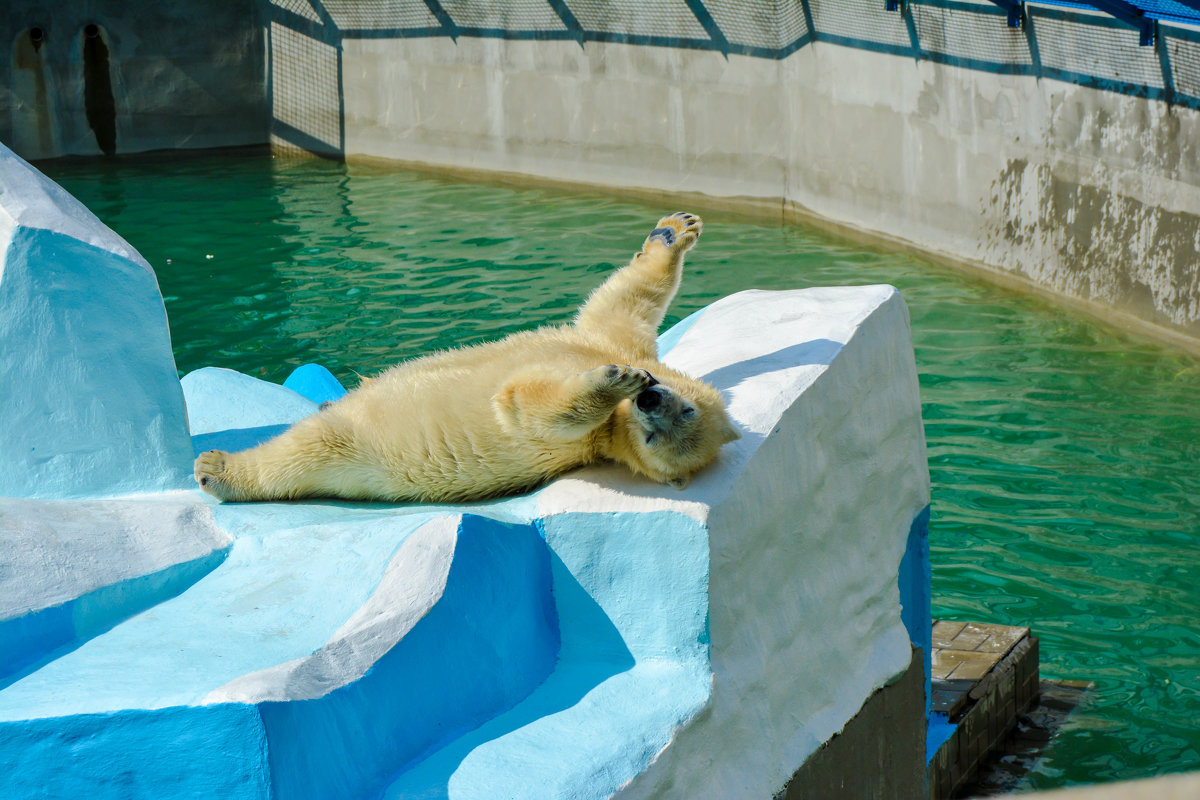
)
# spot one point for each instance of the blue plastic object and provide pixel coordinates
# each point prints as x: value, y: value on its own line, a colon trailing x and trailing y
x: 316, y: 383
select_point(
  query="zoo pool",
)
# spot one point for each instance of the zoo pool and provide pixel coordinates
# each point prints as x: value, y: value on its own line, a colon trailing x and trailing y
x: 1064, y: 454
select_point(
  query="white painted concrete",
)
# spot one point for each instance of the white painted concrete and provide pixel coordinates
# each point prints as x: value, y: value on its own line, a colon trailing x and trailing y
x: 56, y: 551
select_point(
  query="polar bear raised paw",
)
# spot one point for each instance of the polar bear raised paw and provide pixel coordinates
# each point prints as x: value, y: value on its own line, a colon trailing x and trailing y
x: 625, y: 380
x: 677, y: 232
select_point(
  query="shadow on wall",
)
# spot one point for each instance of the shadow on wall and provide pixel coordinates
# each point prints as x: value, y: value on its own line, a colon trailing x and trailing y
x: 113, y: 77
x: 33, y: 88
x: 1136, y: 55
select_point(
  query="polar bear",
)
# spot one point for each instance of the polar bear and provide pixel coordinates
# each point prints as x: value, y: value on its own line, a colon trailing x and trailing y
x: 507, y: 416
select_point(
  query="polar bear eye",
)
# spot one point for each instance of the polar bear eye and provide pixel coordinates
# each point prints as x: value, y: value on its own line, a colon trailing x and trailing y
x: 651, y: 436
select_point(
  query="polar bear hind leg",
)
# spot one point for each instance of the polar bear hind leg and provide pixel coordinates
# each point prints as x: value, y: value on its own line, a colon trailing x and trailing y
x: 310, y: 459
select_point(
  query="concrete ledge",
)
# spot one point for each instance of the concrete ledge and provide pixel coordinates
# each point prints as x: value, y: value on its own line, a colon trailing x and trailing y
x: 71, y: 570
x: 879, y: 754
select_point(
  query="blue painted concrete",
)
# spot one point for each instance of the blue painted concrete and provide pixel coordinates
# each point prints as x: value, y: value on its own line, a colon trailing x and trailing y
x: 916, y: 598
x: 137, y: 753
x: 316, y: 383
x: 488, y: 642
x: 631, y: 593
x: 234, y: 440
x: 938, y: 730
x: 28, y: 641
x: 916, y: 611
x: 99, y: 410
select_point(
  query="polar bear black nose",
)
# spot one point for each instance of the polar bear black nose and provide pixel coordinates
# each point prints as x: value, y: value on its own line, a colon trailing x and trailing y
x: 649, y: 399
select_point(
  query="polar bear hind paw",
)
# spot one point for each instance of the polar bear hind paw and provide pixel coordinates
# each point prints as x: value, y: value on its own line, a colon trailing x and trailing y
x: 210, y: 474
x: 677, y: 231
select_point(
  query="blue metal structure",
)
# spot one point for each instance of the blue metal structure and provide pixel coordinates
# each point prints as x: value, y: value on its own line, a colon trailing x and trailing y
x: 1143, y: 15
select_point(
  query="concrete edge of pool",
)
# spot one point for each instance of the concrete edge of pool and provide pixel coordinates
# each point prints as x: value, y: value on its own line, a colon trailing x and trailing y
x: 709, y: 640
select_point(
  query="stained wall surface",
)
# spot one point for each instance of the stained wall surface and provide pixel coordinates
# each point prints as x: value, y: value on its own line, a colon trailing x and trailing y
x: 1062, y: 155
x: 107, y: 77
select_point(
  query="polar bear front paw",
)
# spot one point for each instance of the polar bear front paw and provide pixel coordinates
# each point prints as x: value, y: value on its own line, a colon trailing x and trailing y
x: 211, y: 474
x: 625, y: 380
x: 678, y: 231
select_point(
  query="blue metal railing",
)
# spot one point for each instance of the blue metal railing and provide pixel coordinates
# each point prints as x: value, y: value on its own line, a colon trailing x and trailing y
x: 1141, y: 15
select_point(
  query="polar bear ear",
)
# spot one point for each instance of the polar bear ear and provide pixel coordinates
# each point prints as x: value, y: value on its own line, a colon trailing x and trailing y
x: 680, y: 483
x: 729, y: 433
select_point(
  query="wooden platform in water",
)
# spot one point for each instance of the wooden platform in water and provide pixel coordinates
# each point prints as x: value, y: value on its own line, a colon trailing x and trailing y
x: 986, y: 680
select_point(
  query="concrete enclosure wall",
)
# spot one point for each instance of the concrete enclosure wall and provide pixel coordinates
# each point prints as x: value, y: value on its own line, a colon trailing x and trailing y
x: 1061, y: 154
x: 103, y: 76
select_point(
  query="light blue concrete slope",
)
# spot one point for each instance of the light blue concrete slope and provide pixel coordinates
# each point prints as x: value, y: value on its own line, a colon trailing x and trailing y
x: 342, y: 646
x: 90, y: 403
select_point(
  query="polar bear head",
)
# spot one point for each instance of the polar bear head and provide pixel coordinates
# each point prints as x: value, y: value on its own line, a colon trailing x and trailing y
x: 674, y: 428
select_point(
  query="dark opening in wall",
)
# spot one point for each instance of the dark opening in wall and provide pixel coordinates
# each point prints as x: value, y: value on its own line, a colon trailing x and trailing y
x: 98, y: 103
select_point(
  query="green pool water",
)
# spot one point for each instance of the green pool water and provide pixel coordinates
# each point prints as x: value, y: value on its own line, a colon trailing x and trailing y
x: 1066, y: 493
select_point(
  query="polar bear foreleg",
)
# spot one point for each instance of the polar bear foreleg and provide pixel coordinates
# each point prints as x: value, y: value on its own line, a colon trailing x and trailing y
x: 631, y: 304
x: 549, y: 406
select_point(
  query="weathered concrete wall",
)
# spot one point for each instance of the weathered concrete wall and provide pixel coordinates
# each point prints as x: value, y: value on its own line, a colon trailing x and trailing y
x: 879, y: 754
x: 1061, y: 155
x: 1075, y: 174
x: 105, y: 76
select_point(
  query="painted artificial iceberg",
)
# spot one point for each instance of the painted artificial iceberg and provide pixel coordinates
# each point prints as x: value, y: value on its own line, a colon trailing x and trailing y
x: 90, y: 401
x: 600, y: 637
